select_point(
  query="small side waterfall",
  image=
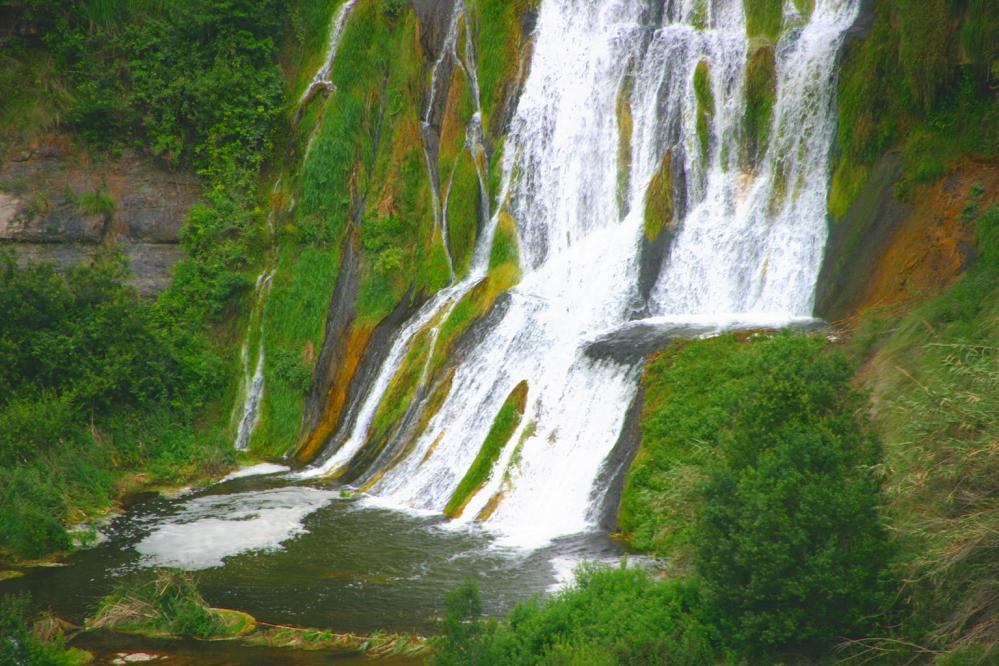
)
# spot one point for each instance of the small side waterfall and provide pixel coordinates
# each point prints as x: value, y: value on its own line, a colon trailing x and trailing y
x: 747, y: 246
x: 321, y: 80
x: 253, y: 385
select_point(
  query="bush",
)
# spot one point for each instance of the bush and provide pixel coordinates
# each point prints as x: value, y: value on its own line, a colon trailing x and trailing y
x: 790, y: 543
x: 608, y: 616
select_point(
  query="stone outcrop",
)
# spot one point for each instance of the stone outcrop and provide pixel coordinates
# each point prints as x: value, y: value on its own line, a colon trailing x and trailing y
x: 59, y: 205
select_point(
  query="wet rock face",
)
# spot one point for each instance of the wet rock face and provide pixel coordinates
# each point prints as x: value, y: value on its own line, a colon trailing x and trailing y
x: 58, y: 205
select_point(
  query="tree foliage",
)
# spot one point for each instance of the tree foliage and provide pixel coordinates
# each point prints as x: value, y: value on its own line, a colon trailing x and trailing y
x: 790, y: 543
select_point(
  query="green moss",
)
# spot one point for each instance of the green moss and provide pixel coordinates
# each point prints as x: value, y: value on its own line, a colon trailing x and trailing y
x: 925, y: 48
x: 625, y: 128
x: 505, y: 249
x: 705, y: 106
x: 502, y: 430
x: 700, y: 18
x: 500, y: 41
x: 402, y: 388
x: 979, y: 35
x: 463, y: 212
x: 761, y: 91
x: 904, y: 84
x: 504, y: 272
x: 764, y: 18
x: 659, y: 199
x: 805, y: 8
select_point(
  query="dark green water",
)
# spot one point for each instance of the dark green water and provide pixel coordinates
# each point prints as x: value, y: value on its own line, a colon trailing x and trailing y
x: 353, y: 566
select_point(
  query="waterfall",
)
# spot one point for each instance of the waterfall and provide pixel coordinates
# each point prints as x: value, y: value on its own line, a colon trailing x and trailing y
x: 748, y: 242
x: 253, y: 385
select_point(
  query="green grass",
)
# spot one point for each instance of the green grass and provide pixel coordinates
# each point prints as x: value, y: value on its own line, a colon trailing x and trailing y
x: 463, y: 213
x: 293, y: 322
x: 500, y: 40
x: 97, y: 203
x: 937, y: 400
x: 502, y: 430
x: 905, y: 86
x: 690, y: 392
x: 166, y: 603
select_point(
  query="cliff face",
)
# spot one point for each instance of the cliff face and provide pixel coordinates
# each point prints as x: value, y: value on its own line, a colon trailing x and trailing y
x: 890, y: 252
x: 917, y: 153
x: 57, y: 204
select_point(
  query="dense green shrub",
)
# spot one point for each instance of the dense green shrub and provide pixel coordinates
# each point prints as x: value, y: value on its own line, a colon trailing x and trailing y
x: 93, y: 380
x: 790, y: 543
x: 90, y: 339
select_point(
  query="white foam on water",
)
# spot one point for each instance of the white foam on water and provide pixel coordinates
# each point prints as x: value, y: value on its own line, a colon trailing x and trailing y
x: 261, y: 469
x: 211, y: 528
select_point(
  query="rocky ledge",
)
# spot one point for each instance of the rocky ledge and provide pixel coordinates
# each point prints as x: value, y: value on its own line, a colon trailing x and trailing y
x: 59, y: 205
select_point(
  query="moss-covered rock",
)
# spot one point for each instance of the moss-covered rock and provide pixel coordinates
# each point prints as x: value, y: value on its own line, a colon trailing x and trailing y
x: 705, y: 106
x: 761, y: 92
x: 625, y: 129
x: 502, y: 430
x: 805, y: 8
x: 659, y: 199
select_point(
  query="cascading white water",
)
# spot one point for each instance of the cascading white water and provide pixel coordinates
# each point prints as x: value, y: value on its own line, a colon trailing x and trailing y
x: 741, y: 248
x: 753, y: 242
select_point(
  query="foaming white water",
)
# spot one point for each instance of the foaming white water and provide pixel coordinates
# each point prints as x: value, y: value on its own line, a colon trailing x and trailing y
x: 210, y: 528
x: 578, y: 259
x: 262, y: 469
x: 749, y: 245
